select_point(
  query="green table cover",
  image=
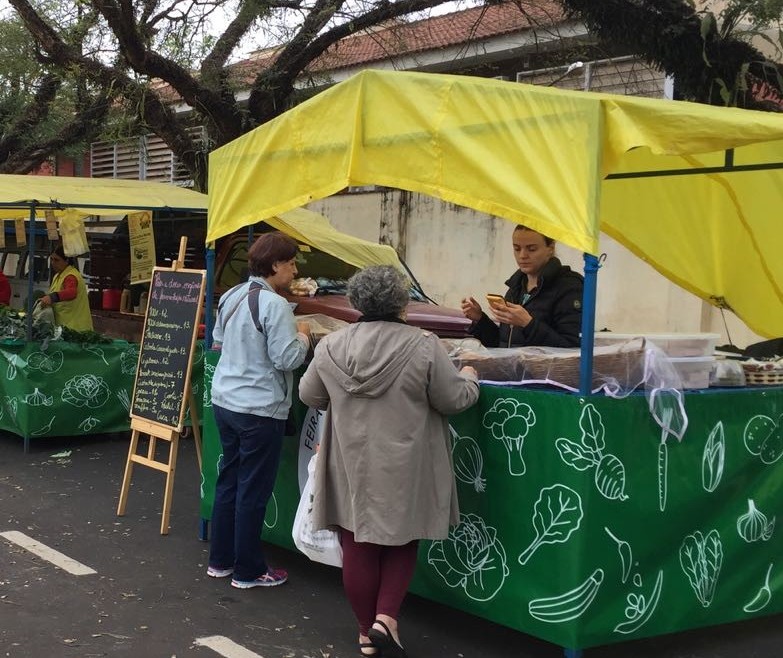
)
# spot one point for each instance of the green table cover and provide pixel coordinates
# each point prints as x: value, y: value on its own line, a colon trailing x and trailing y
x: 64, y: 389
x: 577, y: 527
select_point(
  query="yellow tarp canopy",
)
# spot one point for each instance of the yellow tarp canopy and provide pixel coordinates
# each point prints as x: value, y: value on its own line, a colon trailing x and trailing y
x: 539, y: 156
x: 92, y: 196
x: 314, y: 229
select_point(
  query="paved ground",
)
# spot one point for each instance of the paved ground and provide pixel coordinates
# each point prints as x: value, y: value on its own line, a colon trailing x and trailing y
x: 151, y: 598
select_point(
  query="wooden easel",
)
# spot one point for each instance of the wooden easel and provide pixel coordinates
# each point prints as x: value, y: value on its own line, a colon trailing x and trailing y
x: 157, y: 431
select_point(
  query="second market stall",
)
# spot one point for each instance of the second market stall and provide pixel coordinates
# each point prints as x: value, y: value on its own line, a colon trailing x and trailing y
x: 557, y: 490
x: 58, y: 388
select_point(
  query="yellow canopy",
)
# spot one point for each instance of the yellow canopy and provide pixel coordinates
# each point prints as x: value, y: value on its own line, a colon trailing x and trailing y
x: 92, y: 196
x: 314, y: 229
x: 543, y: 157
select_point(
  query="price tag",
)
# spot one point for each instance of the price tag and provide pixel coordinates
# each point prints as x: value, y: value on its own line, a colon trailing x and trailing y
x: 51, y: 226
x: 21, y: 237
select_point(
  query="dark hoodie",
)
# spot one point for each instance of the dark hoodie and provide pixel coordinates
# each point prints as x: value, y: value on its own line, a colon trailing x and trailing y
x: 555, y: 304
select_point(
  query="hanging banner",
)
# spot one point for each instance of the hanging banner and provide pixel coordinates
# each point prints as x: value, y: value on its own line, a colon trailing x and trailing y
x: 21, y: 237
x: 142, y: 246
x: 51, y: 226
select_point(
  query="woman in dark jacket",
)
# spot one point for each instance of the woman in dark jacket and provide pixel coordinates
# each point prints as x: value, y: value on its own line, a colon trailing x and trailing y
x: 543, y: 304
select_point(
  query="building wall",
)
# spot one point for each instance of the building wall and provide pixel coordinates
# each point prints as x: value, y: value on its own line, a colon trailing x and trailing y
x: 455, y: 251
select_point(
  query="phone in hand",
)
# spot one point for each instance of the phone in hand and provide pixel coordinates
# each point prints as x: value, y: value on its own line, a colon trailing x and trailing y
x: 495, y: 300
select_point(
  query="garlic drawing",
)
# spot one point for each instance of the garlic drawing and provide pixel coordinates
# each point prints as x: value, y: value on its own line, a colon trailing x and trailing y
x: 753, y: 525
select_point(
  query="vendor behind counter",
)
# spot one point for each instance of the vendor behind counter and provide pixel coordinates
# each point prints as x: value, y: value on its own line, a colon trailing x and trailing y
x: 543, y: 303
x: 67, y: 294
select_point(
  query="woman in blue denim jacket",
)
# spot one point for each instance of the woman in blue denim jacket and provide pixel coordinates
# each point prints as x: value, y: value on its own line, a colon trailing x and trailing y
x: 261, y: 345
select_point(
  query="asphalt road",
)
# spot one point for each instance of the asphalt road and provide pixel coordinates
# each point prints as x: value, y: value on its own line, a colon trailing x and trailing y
x: 150, y: 596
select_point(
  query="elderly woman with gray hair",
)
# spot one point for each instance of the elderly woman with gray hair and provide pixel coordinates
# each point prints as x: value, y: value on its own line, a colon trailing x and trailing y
x: 384, y: 477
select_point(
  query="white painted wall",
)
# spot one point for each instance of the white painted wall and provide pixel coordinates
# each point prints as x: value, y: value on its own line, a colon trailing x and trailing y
x: 455, y: 251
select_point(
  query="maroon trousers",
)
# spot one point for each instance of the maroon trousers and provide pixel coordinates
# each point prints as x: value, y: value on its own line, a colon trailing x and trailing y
x: 376, y: 577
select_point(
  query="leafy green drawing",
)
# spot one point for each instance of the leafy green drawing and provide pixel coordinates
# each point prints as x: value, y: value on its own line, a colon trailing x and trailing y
x: 712, y: 458
x: 609, y: 476
x: 556, y: 514
x: 701, y: 559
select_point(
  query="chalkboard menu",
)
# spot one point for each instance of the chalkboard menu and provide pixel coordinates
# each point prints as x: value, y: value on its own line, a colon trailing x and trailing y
x: 167, y: 345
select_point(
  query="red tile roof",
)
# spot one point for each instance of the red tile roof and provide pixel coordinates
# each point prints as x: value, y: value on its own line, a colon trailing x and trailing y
x: 399, y: 38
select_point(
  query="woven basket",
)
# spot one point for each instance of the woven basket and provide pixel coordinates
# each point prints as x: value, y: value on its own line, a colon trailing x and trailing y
x: 764, y: 377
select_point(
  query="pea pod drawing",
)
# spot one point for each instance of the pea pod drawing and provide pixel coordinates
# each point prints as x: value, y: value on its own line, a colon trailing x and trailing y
x: 609, y: 475
x: 638, y: 611
x: 569, y: 605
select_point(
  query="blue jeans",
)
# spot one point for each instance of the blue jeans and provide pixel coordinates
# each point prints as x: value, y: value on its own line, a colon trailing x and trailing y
x: 251, y: 455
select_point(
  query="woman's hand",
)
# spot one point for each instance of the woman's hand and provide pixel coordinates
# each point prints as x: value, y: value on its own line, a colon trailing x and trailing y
x: 46, y: 300
x: 512, y: 314
x: 471, y: 309
x: 469, y: 370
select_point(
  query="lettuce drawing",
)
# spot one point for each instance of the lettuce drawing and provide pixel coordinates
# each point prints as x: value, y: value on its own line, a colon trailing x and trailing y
x: 701, y: 559
x: 88, y: 391
x: 471, y: 558
x: 510, y: 421
x: 556, y: 514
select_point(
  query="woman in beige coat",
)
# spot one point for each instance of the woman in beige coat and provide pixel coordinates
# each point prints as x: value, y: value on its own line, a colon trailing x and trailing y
x: 384, y: 476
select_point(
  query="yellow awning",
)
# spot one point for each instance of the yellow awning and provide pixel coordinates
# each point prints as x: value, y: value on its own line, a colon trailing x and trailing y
x: 92, y: 196
x: 315, y: 230
x: 538, y: 156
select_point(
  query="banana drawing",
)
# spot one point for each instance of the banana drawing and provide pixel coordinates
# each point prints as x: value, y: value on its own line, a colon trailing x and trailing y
x: 570, y: 604
x: 762, y: 597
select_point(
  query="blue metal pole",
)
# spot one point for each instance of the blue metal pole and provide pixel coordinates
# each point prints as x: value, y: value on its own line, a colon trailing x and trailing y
x: 209, y: 320
x: 30, y: 273
x: 592, y: 265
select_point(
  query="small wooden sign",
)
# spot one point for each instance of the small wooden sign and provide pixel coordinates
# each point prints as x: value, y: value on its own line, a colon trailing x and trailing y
x: 51, y: 226
x: 162, y: 393
x: 21, y: 236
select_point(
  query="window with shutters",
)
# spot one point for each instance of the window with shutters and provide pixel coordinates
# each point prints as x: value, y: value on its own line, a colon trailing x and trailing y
x: 143, y: 158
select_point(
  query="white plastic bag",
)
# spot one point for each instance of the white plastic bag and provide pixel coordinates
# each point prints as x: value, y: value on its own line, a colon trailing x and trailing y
x: 322, y: 545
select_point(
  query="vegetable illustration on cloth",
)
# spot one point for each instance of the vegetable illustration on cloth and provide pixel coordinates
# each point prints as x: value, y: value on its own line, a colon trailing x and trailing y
x: 609, y: 473
x: 626, y: 554
x: 638, y: 609
x: 128, y: 360
x: 753, y: 525
x: 510, y: 421
x: 468, y: 462
x: 556, y: 514
x: 48, y: 362
x: 38, y: 399
x: 764, y: 437
x: 97, y: 351
x: 209, y: 373
x: 763, y: 596
x: 88, y: 391
x: 11, y: 371
x: 89, y: 424
x: 713, y: 458
x: 124, y: 397
x: 568, y: 605
x: 45, y: 429
x: 471, y: 558
x: 11, y: 405
x: 270, y: 518
x: 701, y: 559
x: 668, y: 411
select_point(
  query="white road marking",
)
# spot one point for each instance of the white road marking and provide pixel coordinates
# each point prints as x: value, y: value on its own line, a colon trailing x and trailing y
x: 225, y: 647
x: 49, y: 554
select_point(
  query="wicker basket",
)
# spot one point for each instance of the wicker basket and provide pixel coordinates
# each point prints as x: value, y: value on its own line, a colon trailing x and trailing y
x: 764, y: 377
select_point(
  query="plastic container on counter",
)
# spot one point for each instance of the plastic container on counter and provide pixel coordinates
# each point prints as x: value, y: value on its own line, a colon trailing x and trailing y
x: 694, y: 371
x: 111, y: 299
x: 673, y: 345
